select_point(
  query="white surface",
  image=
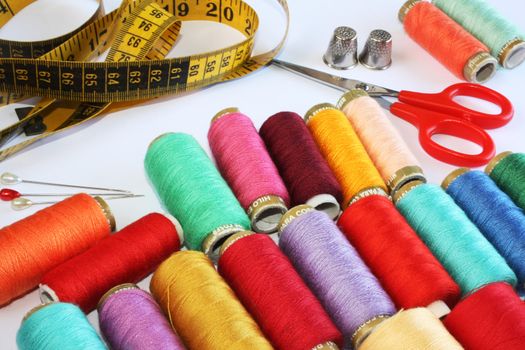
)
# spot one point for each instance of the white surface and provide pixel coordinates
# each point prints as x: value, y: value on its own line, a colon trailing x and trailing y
x: 110, y: 151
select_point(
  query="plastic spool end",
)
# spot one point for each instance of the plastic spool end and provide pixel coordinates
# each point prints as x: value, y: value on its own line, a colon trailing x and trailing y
x: 350, y: 96
x: 404, y: 176
x: 480, y: 68
x: 36, y: 309
x: 453, y: 176
x: 326, y: 346
x: 292, y: 214
x: 232, y: 239
x: 107, y: 213
x: 316, y: 109
x: 326, y: 203
x: 178, y: 227
x: 513, y: 54
x: 217, y: 237
x: 406, y: 189
x: 115, y: 290
x: 372, y: 191
x: 405, y: 9
x: 366, y: 329
x: 439, y: 308
x: 224, y: 112
x: 494, y: 162
x: 158, y: 138
x: 266, y: 212
x: 47, y: 295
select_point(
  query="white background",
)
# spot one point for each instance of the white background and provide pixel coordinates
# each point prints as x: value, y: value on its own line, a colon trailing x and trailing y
x: 109, y: 152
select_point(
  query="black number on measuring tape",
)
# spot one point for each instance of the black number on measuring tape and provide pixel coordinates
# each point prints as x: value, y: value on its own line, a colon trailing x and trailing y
x: 194, y: 70
x: 145, y: 26
x: 134, y: 42
x: 183, y: 9
x: 70, y: 77
x: 44, y: 77
x: 225, y: 61
x: 210, y: 66
x: 48, y: 77
x: 248, y: 28
x: 124, y: 58
x: 3, y: 8
x: 156, y: 13
x: 116, y: 78
x: 212, y: 12
x: 134, y: 77
x: 228, y: 13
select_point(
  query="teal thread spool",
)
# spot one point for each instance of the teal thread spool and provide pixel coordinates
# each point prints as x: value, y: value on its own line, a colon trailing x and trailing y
x: 507, y: 170
x: 193, y: 191
x: 455, y: 241
x: 505, y: 41
x: 57, y: 326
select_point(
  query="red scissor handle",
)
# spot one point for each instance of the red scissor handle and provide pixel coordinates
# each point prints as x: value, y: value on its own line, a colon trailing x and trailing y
x: 431, y: 123
x: 443, y: 102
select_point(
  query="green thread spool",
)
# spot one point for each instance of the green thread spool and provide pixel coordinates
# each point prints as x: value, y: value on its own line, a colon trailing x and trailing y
x: 57, y: 326
x: 193, y: 191
x: 455, y: 241
x: 507, y: 170
x: 504, y: 39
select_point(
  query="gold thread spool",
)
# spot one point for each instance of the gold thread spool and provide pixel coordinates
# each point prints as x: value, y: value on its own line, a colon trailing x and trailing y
x: 405, y: 189
x: 115, y: 290
x: 450, y: 178
x: 495, y: 161
x: 212, y: 243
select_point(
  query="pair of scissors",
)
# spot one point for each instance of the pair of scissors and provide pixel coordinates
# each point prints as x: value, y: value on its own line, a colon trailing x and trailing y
x: 432, y: 114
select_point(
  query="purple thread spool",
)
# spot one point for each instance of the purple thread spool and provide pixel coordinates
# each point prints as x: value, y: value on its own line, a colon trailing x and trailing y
x: 335, y: 272
x: 130, y: 319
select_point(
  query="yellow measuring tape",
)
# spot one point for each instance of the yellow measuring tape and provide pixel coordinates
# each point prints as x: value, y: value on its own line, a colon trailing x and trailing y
x: 139, y: 35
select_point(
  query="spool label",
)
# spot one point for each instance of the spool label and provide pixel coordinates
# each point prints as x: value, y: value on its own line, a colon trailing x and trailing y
x: 292, y: 214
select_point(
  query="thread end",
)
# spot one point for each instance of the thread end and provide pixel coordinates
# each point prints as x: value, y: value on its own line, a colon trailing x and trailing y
x: 480, y: 68
x: 293, y: 214
x: 232, y: 239
x: 453, y: 176
x: 495, y: 161
x: 406, y: 189
x: 316, y: 109
x: 512, y: 54
x: 326, y: 203
x: 404, y: 176
x: 405, y: 9
x: 349, y: 97
x: 224, y: 112
x: 115, y: 290
x: 217, y: 237
x: 265, y: 213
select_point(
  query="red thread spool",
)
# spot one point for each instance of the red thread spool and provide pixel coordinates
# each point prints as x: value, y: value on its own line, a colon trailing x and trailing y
x: 125, y: 257
x: 275, y: 295
x: 33, y: 246
x: 447, y: 41
x: 408, y: 271
x: 300, y: 163
x: 492, y: 318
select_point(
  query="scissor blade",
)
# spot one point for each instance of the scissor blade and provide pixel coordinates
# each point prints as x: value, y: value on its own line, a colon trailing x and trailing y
x: 383, y: 102
x: 333, y: 81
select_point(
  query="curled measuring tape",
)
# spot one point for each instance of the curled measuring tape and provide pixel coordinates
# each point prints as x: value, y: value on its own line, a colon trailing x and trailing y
x: 139, y: 35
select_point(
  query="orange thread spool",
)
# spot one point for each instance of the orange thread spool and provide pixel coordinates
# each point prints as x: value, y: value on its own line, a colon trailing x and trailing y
x: 33, y: 246
x: 447, y: 41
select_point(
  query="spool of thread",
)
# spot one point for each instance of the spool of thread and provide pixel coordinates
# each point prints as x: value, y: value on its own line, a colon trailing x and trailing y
x: 411, y: 329
x: 274, y: 293
x: 201, y: 307
x: 334, y: 271
x: 504, y: 39
x: 507, y: 170
x: 302, y: 167
x: 404, y: 265
x: 493, y: 212
x: 193, y: 191
x: 244, y: 162
x: 33, y: 246
x: 447, y: 41
x: 130, y: 319
x: 343, y: 151
x: 389, y: 152
x: 125, y: 257
x: 492, y: 318
x: 457, y: 243
x: 57, y: 326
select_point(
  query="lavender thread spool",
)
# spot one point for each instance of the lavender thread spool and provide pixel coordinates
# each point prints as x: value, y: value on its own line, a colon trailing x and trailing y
x: 334, y: 271
x: 130, y: 319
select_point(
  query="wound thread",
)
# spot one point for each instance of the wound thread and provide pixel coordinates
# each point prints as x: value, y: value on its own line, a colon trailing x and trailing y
x: 273, y: 292
x: 343, y: 151
x: 300, y: 163
x: 33, y: 246
x: 244, y: 162
x: 128, y: 256
x: 508, y: 173
x: 492, y: 318
x: 334, y: 271
x: 411, y: 329
x: 57, y: 326
x: 192, y: 189
x: 407, y: 269
x: 201, y: 306
x: 130, y: 319
x: 495, y: 214
x: 455, y: 241
x: 459, y: 51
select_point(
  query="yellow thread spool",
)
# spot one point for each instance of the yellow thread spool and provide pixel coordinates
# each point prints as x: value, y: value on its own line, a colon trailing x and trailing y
x: 343, y: 150
x: 201, y: 306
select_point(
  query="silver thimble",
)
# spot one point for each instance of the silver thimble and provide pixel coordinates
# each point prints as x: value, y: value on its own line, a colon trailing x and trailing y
x: 342, y: 50
x: 377, y: 53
